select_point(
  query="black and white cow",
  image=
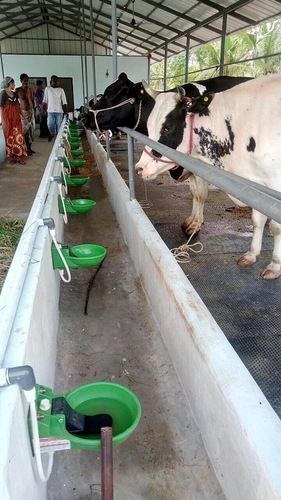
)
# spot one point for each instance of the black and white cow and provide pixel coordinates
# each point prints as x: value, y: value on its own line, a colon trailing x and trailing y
x: 138, y: 103
x: 238, y: 130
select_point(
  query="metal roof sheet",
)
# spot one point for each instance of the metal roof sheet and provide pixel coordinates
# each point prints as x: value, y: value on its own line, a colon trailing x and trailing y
x: 143, y: 25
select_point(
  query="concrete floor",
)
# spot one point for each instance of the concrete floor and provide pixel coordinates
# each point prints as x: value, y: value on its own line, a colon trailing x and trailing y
x: 117, y: 341
x: 19, y: 183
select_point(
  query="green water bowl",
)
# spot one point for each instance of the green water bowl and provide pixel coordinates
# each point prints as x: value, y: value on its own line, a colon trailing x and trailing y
x: 73, y: 133
x: 75, y: 163
x: 77, y: 152
x: 76, y: 256
x: 78, y: 206
x: 87, y: 254
x: 76, y: 180
x: 90, y: 399
x: 75, y: 145
x: 73, y: 138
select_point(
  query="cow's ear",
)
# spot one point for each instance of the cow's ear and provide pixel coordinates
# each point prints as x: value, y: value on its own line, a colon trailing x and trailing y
x: 153, y: 93
x: 180, y: 94
x: 122, y: 77
x: 199, y: 104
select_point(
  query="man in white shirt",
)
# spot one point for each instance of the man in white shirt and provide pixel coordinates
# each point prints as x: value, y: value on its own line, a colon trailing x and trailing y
x: 55, y: 103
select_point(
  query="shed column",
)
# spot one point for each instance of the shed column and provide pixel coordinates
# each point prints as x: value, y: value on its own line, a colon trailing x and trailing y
x: 187, y: 57
x: 93, y: 53
x: 114, y: 39
x: 223, y: 35
x: 165, y: 66
x: 82, y: 67
x: 85, y: 54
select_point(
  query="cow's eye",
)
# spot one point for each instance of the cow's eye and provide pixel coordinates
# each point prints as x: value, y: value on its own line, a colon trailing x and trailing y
x: 165, y: 130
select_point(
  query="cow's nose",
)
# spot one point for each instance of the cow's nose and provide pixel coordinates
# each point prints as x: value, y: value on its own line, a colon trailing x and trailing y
x: 139, y: 170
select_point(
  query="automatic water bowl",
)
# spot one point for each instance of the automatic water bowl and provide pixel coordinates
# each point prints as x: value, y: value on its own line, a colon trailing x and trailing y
x: 87, y: 254
x: 75, y: 144
x: 78, y: 415
x: 77, y: 152
x: 77, y: 256
x: 77, y: 206
x: 76, y: 180
x: 75, y: 163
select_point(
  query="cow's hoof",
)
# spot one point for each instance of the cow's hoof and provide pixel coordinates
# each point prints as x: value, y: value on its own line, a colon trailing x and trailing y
x: 270, y: 274
x: 189, y: 230
x: 246, y: 261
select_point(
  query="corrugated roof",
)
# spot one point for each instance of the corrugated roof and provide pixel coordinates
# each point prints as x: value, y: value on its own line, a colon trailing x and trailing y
x: 143, y: 25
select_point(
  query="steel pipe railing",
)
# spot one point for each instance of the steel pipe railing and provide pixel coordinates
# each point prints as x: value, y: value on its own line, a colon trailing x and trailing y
x: 265, y: 200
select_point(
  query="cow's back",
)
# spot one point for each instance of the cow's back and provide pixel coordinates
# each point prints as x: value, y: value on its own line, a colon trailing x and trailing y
x: 242, y: 132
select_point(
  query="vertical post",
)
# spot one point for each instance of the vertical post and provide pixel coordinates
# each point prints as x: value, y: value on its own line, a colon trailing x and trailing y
x: 2, y: 65
x: 85, y: 53
x: 165, y: 66
x: 223, y: 35
x: 48, y: 35
x: 106, y: 464
x: 131, y: 168
x: 107, y: 145
x: 148, y: 67
x: 82, y: 68
x: 114, y: 39
x: 93, y: 52
x: 187, y: 57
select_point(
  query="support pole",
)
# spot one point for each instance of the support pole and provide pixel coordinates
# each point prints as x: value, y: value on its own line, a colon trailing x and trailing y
x: 165, y: 66
x: 148, y: 67
x: 107, y: 145
x: 131, y: 168
x: 223, y: 35
x: 187, y: 57
x: 2, y: 65
x: 106, y: 464
x: 85, y: 54
x: 114, y: 39
x: 82, y: 68
x: 93, y: 53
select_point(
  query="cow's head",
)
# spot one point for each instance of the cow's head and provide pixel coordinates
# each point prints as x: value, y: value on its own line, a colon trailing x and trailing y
x: 116, y: 93
x: 165, y: 124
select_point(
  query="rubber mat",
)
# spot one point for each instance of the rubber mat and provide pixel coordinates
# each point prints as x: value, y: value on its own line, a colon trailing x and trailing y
x: 246, y: 307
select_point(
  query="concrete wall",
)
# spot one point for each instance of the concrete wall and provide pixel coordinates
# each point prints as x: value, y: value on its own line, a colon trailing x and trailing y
x: 32, y: 341
x: 70, y: 66
x: 241, y: 432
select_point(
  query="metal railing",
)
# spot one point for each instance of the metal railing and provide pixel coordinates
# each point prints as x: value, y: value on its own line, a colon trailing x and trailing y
x: 265, y: 200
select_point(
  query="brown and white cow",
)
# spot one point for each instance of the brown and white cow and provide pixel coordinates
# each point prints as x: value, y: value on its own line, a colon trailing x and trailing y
x: 239, y: 131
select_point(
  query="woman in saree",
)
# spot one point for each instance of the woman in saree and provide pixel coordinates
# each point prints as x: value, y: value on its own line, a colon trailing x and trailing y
x: 10, y: 117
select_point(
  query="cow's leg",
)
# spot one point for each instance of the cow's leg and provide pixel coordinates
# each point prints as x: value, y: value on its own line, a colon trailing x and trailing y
x: 199, y: 190
x: 250, y: 257
x: 273, y: 270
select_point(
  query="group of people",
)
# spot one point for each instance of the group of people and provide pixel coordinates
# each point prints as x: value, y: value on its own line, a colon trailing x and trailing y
x: 18, y: 109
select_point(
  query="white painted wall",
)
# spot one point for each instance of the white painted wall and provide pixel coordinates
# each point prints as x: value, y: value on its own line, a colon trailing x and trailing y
x: 32, y: 341
x: 70, y: 66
